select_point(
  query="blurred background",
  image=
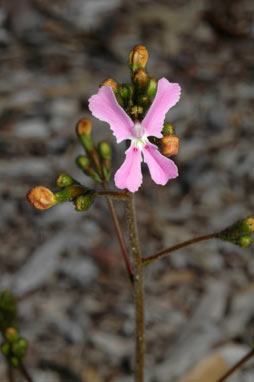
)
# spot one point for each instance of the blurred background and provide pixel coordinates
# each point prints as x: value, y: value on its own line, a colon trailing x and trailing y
x: 76, y: 305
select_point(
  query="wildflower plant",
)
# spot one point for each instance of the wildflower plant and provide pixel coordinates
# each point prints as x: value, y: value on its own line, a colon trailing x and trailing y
x: 136, y: 114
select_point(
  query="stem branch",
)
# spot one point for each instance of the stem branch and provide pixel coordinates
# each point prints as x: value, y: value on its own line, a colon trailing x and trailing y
x: 138, y: 290
x: 25, y: 374
x: 237, y: 366
x: 119, y: 234
x: 167, y: 251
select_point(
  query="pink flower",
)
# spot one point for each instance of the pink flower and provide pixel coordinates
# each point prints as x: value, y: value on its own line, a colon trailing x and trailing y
x: 104, y: 106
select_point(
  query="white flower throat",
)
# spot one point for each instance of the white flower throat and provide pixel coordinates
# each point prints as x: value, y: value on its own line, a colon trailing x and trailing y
x: 139, y: 138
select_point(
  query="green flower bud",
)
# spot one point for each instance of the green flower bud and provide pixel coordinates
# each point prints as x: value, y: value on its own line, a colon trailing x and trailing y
x: 238, y: 229
x: 84, y: 163
x: 245, y: 241
x: 65, y: 180
x: 19, y: 348
x: 5, y: 349
x: 69, y: 193
x: 84, y: 202
x: 126, y: 92
x: 152, y: 88
x: 104, y: 149
x: 105, y: 152
x: 144, y: 102
x: 15, y: 362
x: 168, y: 129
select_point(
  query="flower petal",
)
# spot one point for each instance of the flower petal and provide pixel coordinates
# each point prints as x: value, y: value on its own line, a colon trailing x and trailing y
x: 167, y: 95
x: 129, y: 174
x: 104, y: 106
x: 161, y: 168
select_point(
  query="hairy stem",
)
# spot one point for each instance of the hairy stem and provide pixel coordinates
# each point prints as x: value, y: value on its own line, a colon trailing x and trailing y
x: 25, y: 374
x: 115, y: 195
x: 119, y: 234
x: 138, y: 290
x: 10, y: 373
x: 236, y: 366
x: 167, y: 251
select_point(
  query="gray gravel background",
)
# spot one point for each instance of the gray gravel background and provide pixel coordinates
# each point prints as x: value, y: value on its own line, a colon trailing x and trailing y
x: 65, y: 267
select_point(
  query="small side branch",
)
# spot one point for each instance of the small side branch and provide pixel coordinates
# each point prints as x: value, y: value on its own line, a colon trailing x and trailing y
x: 119, y: 233
x: 25, y: 374
x: 158, y: 255
x: 237, y: 366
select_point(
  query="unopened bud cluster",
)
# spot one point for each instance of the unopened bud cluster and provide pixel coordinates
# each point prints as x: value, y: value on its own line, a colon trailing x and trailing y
x: 95, y: 164
x: 240, y: 233
x: 13, y: 346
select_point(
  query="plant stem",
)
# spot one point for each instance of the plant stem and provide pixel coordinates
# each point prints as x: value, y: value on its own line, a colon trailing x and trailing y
x: 25, y: 374
x: 138, y: 290
x: 236, y: 366
x: 167, y: 251
x: 119, y: 234
x: 115, y: 195
x: 10, y: 373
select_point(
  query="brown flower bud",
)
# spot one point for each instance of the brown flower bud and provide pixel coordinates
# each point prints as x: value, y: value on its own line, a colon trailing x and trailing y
x: 111, y: 83
x: 169, y: 145
x: 140, y: 78
x: 41, y: 198
x: 138, y: 57
x: 84, y: 126
x: 11, y: 334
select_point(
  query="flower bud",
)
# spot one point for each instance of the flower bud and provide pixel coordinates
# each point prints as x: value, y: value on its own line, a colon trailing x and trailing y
x: 70, y: 193
x: 250, y: 223
x: 238, y: 229
x: 126, y: 92
x: 245, y: 241
x: 65, y: 180
x: 138, y: 57
x: 41, y: 198
x: 144, y: 102
x: 84, y: 126
x: 152, y: 87
x: 140, y: 78
x: 5, y: 349
x: 105, y: 152
x: 104, y: 149
x: 84, y: 163
x: 136, y: 110
x: 111, y: 83
x: 169, y: 145
x: 15, y: 362
x: 19, y: 348
x: 168, y: 129
x: 84, y: 202
x: 11, y: 334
